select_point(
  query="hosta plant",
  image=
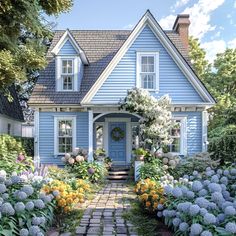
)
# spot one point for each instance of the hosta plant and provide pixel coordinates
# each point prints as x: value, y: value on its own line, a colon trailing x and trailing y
x: 204, y: 204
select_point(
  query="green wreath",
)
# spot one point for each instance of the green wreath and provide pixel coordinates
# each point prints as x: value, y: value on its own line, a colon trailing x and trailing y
x: 117, y: 134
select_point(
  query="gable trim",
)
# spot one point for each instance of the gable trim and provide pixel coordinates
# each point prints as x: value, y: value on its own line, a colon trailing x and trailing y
x: 68, y: 36
x: 149, y: 20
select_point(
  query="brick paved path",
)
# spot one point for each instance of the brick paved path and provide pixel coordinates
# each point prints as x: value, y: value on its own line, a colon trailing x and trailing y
x: 103, y: 215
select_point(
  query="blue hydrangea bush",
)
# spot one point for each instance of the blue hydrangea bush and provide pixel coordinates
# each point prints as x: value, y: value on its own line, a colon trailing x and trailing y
x: 23, y: 209
x: 202, y: 203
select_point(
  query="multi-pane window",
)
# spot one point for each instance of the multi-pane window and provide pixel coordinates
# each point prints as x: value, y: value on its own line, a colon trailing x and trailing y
x: 148, y: 71
x: 175, y: 133
x: 99, y: 136
x: 65, y: 135
x: 67, y: 74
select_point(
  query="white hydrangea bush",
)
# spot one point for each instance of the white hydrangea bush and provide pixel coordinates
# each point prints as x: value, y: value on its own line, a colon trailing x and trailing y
x: 23, y: 209
x: 156, y: 116
x: 170, y: 160
x: 202, y: 203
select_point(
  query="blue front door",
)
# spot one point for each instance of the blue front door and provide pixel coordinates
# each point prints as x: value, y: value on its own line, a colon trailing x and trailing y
x: 117, y: 148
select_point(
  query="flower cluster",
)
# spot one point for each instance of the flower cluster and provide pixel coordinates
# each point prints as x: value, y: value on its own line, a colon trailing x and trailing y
x: 66, y: 196
x: 170, y: 161
x: 150, y: 195
x: 203, y: 204
x: 77, y: 156
x: 22, y: 208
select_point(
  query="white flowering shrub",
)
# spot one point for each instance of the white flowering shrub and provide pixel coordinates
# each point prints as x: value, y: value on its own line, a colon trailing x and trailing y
x: 170, y: 160
x: 23, y: 209
x: 156, y: 117
x: 202, y: 203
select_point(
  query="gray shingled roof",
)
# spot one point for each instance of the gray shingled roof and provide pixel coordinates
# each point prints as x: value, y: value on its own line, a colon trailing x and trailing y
x: 100, y: 46
x: 11, y: 109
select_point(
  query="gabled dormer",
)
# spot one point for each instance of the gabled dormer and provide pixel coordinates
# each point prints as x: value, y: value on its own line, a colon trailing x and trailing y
x: 69, y: 62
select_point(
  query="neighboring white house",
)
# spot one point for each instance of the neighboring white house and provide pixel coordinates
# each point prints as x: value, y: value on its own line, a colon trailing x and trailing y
x: 11, y: 115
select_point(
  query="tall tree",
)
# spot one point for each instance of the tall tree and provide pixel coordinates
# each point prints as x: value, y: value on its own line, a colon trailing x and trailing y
x: 23, y: 33
x: 198, y: 58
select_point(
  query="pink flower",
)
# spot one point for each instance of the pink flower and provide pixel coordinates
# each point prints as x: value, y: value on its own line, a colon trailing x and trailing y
x: 91, y: 170
x: 21, y: 157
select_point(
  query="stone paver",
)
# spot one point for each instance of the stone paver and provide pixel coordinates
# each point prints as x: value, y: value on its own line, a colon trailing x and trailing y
x: 103, y: 215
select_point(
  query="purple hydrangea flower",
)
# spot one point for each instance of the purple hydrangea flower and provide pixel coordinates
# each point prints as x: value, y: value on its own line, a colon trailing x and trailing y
x: 197, y: 186
x: 202, y: 202
x: 195, y: 229
x: 39, y: 204
x: 203, y: 211
x: 159, y: 214
x: 7, y: 209
x: 19, y: 207
x: 206, y: 233
x: 34, y: 230
x: 230, y: 227
x: 29, y: 206
x: 183, y: 227
x: 36, y: 220
x: 177, y: 192
x: 190, y: 194
x: 24, y: 232
x: 176, y: 221
x: 3, y: 188
x: 28, y: 189
x: 230, y: 211
x: 209, y: 219
x: 213, y: 187
x: 194, y: 210
x: 202, y: 193
x: 217, y: 197
x: 215, y: 179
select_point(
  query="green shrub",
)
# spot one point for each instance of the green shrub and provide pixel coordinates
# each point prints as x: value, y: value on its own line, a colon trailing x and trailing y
x: 13, y: 156
x: 61, y: 174
x: 93, y: 171
x: 222, y: 143
x: 152, y: 170
x: 28, y: 145
x: 199, y: 163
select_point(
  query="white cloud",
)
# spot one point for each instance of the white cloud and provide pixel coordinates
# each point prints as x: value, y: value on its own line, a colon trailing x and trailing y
x: 235, y: 4
x: 179, y: 3
x: 212, y: 48
x: 232, y: 43
x: 167, y: 22
x: 200, y: 16
x: 129, y: 26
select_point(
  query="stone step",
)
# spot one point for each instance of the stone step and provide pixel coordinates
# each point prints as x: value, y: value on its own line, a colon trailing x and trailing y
x: 111, y: 177
x: 118, y: 172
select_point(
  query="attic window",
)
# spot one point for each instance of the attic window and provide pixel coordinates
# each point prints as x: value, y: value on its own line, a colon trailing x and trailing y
x: 67, y: 74
x: 147, y: 70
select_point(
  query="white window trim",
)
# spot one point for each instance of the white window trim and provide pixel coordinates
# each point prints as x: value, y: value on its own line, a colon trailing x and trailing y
x: 138, y: 69
x: 75, y: 69
x: 95, y: 125
x: 56, y: 120
x: 183, y: 135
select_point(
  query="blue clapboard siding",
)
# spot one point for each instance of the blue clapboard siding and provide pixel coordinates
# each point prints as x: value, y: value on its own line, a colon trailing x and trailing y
x: 194, y: 131
x: 46, y: 134
x: 67, y: 49
x: 123, y: 77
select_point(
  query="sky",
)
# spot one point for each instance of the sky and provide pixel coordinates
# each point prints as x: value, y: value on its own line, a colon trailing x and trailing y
x: 213, y: 22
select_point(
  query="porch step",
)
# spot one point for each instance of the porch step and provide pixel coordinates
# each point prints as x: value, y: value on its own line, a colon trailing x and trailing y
x: 118, y: 174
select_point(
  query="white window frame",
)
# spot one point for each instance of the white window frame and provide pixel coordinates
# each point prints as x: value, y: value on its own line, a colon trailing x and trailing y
x: 183, y: 135
x: 96, y: 124
x: 56, y: 139
x: 63, y: 75
x: 139, y: 56
x: 59, y: 74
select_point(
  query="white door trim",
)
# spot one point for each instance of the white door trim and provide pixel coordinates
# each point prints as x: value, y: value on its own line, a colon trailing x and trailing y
x: 128, y: 136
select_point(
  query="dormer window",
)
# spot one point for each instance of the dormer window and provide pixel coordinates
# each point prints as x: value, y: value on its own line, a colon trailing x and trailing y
x: 67, y: 74
x: 147, y: 70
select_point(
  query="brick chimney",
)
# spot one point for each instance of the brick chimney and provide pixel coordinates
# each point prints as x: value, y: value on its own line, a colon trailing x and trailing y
x: 181, y: 27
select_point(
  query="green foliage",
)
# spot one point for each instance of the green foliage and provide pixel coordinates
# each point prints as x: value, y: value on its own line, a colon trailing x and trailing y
x: 223, y: 143
x: 10, y: 151
x: 152, y: 170
x: 140, y: 151
x: 199, y: 163
x: 93, y: 171
x: 61, y: 174
x: 27, y: 144
x: 145, y: 224
x: 198, y: 58
x: 23, y: 35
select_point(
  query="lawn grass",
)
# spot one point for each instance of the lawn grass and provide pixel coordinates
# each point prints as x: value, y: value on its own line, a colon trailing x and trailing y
x: 144, y: 223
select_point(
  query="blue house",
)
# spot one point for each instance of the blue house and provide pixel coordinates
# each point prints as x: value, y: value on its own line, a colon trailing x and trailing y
x: 76, y: 98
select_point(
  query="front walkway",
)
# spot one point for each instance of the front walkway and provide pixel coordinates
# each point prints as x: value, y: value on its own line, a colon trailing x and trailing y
x: 103, y: 215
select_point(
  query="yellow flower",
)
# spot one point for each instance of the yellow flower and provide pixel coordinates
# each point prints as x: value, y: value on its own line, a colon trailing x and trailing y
x: 155, y: 205
x: 62, y: 202
x: 144, y: 197
x: 154, y: 197
x: 148, y: 204
x: 162, y: 200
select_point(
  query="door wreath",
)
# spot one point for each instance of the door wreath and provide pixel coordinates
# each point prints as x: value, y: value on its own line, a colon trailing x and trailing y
x: 117, y: 134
